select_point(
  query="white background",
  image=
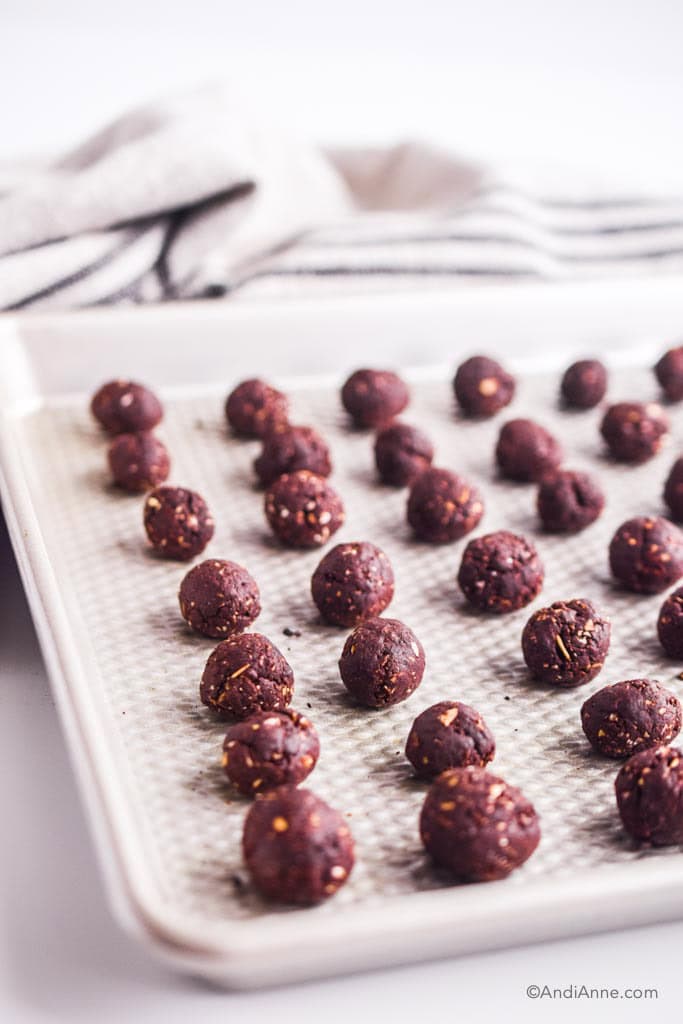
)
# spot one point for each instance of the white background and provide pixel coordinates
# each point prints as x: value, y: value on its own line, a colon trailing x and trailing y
x: 587, y: 85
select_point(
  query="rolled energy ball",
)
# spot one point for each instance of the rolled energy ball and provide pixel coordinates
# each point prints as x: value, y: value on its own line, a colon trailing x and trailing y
x: 178, y: 522
x: 649, y: 791
x: 402, y: 452
x: 669, y: 373
x: 296, y: 847
x: 646, y: 554
x: 584, y: 384
x: 287, y: 449
x: 353, y: 582
x: 218, y: 598
x: 448, y: 735
x: 569, y: 501
x: 138, y: 462
x: 382, y: 663
x: 627, y: 717
x: 443, y: 507
x: 634, y: 432
x: 373, y: 397
x: 670, y: 624
x: 673, y: 490
x: 303, y: 510
x: 500, y: 572
x: 245, y: 674
x: 253, y: 408
x: 269, y: 749
x: 526, y: 451
x: 482, y: 387
x: 566, y: 644
x: 476, y: 825
x: 124, y: 407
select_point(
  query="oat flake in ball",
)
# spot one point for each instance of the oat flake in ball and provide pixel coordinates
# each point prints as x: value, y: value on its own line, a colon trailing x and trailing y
x: 138, y: 462
x: 448, y: 735
x: 630, y: 716
x: 218, y: 598
x: 178, y: 522
x: 566, y: 644
x: 649, y: 790
x: 303, y: 510
x: 646, y: 554
x: 245, y: 674
x: 442, y: 507
x: 382, y: 663
x: 269, y: 749
x: 353, y: 582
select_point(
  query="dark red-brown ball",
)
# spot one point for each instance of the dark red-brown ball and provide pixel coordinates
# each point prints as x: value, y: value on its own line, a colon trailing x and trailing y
x: 482, y: 387
x: 649, y: 791
x: 373, y: 397
x: 245, y: 674
x: 138, y: 462
x: 287, y: 449
x: 669, y: 373
x: 500, y: 572
x: 269, y: 749
x: 646, y: 554
x: 442, y: 507
x: 353, y: 582
x: 584, y: 384
x: 402, y: 453
x: 218, y: 598
x: 526, y: 451
x: 633, y: 431
x: 569, y: 501
x: 303, y: 510
x: 254, y: 408
x: 448, y: 735
x: 178, y: 522
x: 124, y: 407
x: 382, y: 663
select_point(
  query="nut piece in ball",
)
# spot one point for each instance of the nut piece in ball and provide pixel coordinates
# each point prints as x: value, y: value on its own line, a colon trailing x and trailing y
x: 482, y: 387
x: 245, y: 674
x: 627, y: 717
x: 269, y: 749
x: 584, y: 384
x: 477, y: 826
x: 569, y: 501
x: 373, y: 397
x: 138, y: 462
x: 382, y: 663
x: 254, y: 408
x: 353, y: 582
x: 566, y: 644
x: 526, y: 451
x: 218, y: 598
x: 296, y: 847
x: 649, y: 791
x: 669, y: 373
x: 402, y: 453
x: 287, y: 449
x: 124, y: 407
x: 646, y: 554
x: 178, y: 522
x: 500, y: 572
x: 634, y: 432
x: 303, y: 510
x: 442, y: 507
x: 670, y: 624
x: 448, y: 735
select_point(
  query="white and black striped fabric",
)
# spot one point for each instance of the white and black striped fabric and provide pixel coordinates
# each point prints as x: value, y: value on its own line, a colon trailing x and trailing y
x: 197, y: 197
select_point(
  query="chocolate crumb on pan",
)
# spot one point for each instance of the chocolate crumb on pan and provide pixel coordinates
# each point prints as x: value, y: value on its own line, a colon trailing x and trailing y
x: 649, y: 791
x: 218, y: 598
x: 584, y: 384
x: 476, y: 825
x: 670, y: 624
x: 352, y: 582
x: 254, y: 408
x: 482, y: 387
x: 374, y: 397
x: 382, y: 663
x: 178, y: 522
x: 566, y: 644
x: 303, y: 509
x: 269, y: 749
x: 526, y: 451
x: 124, y: 407
x: 673, y: 490
x: 500, y: 572
x: 402, y: 453
x: 646, y: 554
x: 669, y: 373
x: 245, y: 674
x: 569, y: 501
x: 287, y: 449
x: 138, y: 462
x: 630, y: 716
x: 634, y: 432
x: 442, y: 507
x: 448, y: 735
x: 296, y: 847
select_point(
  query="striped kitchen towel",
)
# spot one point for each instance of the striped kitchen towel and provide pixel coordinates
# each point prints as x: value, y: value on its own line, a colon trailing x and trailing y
x: 199, y: 197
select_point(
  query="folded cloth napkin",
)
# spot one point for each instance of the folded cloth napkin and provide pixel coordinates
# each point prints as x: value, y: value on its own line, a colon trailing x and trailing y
x: 198, y: 197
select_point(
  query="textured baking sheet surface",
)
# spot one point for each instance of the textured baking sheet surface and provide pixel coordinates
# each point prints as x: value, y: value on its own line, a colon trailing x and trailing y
x: 146, y: 664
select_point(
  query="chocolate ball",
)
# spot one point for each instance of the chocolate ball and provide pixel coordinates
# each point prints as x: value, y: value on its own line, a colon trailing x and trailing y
x: 482, y: 387
x: 584, y: 384
x: 477, y: 826
x: 673, y: 490
x: 178, y: 522
x: 500, y: 572
x: 245, y: 674
x: 218, y: 598
x: 138, y: 462
x: 634, y: 432
x: 442, y: 507
x: 124, y: 407
x: 373, y: 397
x: 569, y: 501
x: 303, y: 510
x: 627, y: 717
x: 296, y: 847
x: 253, y: 408
x: 669, y: 373
x: 649, y: 791
x: 402, y: 452
x: 269, y: 749
x: 448, y: 735
x: 670, y: 624
x: 566, y: 644
x: 646, y: 554
x: 353, y: 582
x: 287, y: 449
x: 382, y: 663
x: 526, y: 451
